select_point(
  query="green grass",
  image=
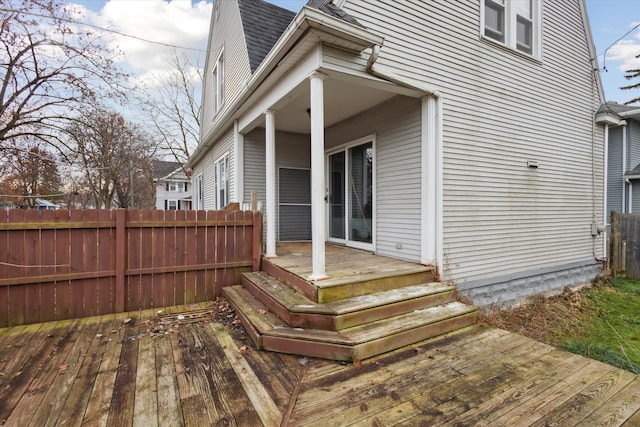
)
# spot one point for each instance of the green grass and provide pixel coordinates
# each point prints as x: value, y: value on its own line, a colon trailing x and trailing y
x: 612, y: 332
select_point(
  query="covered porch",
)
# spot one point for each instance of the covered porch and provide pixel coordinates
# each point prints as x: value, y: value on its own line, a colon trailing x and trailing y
x: 310, y: 97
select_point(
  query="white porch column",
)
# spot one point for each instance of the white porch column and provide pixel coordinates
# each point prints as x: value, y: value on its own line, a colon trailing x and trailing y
x: 428, y: 207
x: 318, y: 206
x: 238, y: 159
x: 431, y: 163
x: 270, y: 162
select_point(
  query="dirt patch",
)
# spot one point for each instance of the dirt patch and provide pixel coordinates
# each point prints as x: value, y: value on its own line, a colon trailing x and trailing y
x: 544, y: 318
x: 219, y: 310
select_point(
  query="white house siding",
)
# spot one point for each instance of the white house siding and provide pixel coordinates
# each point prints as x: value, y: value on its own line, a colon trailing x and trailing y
x: 228, y: 34
x: 292, y: 151
x: 502, y: 220
x: 615, y: 170
x: 205, y: 166
x: 396, y: 125
x: 633, y: 142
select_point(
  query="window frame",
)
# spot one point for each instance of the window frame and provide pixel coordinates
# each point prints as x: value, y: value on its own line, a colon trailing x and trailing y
x: 199, y: 189
x: 510, y: 23
x: 218, y: 80
x: 221, y: 198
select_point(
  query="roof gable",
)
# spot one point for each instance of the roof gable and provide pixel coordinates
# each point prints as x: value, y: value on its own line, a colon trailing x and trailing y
x: 161, y: 168
x: 263, y: 24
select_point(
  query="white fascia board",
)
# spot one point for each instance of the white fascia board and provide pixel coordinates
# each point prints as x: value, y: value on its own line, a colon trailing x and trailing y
x: 610, y: 119
x: 592, y: 49
x: 308, y: 18
x: 170, y: 175
x: 633, y: 114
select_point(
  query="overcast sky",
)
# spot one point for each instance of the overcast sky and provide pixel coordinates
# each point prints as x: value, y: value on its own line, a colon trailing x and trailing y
x: 185, y: 23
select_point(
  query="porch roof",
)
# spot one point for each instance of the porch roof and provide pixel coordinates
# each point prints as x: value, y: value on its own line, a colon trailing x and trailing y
x: 309, y: 27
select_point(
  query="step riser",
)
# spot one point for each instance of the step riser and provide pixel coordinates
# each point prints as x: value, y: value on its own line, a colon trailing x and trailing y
x: 337, y: 322
x: 254, y: 335
x: 333, y: 351
x: 267, y: 300
x: 386, y: 344
x: 389, y: 310
x: 349, y: 290
x: 305, y: 288
x: 339, y: 292
x: 308, y: 348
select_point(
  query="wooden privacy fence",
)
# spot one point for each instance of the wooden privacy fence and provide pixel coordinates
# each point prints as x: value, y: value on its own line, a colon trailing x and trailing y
x: 624, y: 252
x: 70, y: 264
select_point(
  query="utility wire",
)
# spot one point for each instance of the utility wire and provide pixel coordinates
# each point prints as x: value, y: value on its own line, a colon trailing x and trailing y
x: 73, y: 21
x: 604, y: 55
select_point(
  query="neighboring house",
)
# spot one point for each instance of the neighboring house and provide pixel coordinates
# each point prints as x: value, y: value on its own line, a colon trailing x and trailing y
x: 173, y: 188
x: 623, y: 157
x: 45, y: 205
x: 457, y: 134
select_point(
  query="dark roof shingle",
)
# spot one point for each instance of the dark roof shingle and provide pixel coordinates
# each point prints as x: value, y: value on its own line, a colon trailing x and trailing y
x: 331, y: 9
x: 162, y: 168
x: 263, y: 24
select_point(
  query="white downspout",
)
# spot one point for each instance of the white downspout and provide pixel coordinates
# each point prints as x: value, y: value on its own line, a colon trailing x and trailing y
x: 630, y: 198
x: 431, y: 249
x: 605, y: 219
x: 624, y: 167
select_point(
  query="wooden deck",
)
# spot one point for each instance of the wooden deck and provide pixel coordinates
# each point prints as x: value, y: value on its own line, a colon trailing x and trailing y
x: 189, y: 370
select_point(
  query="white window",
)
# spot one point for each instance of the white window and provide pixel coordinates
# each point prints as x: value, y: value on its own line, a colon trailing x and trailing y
x: 173, y: 186
x: 515, y: 23
x: 172, y: 205
x: 217, y: 83
x: 221, y: 175
x: 199, y: 192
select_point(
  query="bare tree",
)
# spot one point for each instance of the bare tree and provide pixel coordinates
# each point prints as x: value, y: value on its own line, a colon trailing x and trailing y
x: 632, y: 75
x: 30, y: 173
x: 49, y: 69
x: 116, y: 158
x: 175, y: 108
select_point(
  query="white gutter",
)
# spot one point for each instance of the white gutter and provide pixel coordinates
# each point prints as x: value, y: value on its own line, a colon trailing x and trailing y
x: 431, y: 236
x: 308, y: 18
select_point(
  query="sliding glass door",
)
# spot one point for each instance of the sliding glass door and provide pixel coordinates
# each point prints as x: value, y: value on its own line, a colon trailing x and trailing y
x: 351, y: 196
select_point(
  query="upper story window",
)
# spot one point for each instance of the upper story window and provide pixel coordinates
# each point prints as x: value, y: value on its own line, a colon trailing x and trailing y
x: 218, y: 83
x: 515, y: 23
x: 176, y: 186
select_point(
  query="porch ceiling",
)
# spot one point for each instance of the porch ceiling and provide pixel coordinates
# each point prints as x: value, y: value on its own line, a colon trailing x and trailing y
x: 342, y: 99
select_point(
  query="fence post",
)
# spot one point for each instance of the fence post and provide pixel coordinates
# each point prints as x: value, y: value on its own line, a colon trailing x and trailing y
x: 121, y: 236
x: 257, y: 233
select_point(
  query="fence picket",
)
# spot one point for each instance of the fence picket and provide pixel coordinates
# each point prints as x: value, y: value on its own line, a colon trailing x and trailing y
x: 66, y: 264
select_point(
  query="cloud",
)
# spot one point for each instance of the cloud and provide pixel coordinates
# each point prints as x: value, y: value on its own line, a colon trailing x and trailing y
x: 180, y: 23
x: 626, y: 51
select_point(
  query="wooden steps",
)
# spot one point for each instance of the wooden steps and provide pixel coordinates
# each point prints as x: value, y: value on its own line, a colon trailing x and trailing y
x: 269, y: 332
x: 299, y: 311
x: 342, y: 318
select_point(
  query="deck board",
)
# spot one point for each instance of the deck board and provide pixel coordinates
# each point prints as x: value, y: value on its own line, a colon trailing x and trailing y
x: 343, y: 265
x: 100, y: 371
